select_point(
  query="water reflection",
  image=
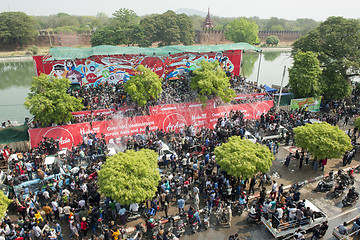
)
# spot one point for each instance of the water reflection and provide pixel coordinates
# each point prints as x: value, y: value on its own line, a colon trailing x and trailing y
x: 17, y: 74
x: 248, y: 63
x: 271, y: 56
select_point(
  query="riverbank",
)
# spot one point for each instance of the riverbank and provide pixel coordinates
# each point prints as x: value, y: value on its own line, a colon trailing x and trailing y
x: 276, y: 49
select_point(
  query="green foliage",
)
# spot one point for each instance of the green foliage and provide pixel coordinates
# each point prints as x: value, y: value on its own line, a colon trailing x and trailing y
x: 64, y: 22
x: 168, y: 28
x: 211, y: 81
x: 33, y: 49
x: 48, y: 101
x: 336, y: 42
x: 276, y: 24
x: 333, y: 85
x: 243, y: 158
x: 16, y: 29
x: 357, y: 122
x: 242, y: 30
x: 322, y: 140
x: 144, y: 86
x: 304, y: 75
x: 272, y: 41
x: 4, y: 203
x: 130, y: 177
x: 124, y: 18
x: 278, y: 27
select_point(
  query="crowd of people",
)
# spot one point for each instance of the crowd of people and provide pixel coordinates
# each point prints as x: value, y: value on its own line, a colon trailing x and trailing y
x: 113, y: 96
x: 68, y: 203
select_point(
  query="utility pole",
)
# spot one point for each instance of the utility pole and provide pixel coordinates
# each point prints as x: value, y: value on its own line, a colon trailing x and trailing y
x: 257, y: 77
x: 281, y: 87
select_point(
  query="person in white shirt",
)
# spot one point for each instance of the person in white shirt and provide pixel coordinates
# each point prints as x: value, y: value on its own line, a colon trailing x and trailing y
x: 82, y: 203
x: 37, y: 231
x: 67, y: 192
x: 134, y: 207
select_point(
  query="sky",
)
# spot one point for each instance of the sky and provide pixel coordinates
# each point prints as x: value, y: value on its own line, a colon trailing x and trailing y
x: 287, y: 9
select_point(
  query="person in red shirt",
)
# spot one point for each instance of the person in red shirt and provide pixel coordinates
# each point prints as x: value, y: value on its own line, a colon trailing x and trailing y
x: 84, y: 226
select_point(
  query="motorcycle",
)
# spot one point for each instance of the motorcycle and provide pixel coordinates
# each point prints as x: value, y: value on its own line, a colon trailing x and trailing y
x: 338, y: 191
x: 253, y: 218
x: 194, y: 226
x: 297, y: 186
x: 180, y: 228
x: 349, y: 201
x: 206, y: 220
x: 324, y: 186
x: 131, y: 216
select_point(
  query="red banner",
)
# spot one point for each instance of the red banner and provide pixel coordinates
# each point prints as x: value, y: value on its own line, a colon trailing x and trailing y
x: 116, y: 68
x: 171, y: 119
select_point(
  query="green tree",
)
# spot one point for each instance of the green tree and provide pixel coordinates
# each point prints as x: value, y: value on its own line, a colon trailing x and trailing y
x: 304, y: 75
x: 272, y: 41
x: 103, y: 36
x: 322, y: 140
x: 168, y: 28
x: 278, y: 28
x: 242, y: 30
x: 130, y: 177
x: 124, y: 18
x: 4, y: 203
x: 211, y: 81
x: 357, y: 122
x: 243, y: 158
x: 16, y: 29
x: 143, y: 86
x: 336, y: 42
x: 48, y: 101
x: 276, y: 24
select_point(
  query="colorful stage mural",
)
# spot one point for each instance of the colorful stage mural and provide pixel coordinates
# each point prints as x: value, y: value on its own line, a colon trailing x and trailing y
x: 117, y: 68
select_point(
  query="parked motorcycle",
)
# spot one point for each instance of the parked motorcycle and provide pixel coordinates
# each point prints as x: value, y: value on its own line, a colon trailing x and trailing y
x: 349, y: 201
x: 338, y: 191
x: 206, y: 220
x: 253, y: 218
x: 297, y: 186
x: 324, y: 186
x: 180, y: 228
x: 131, y: 216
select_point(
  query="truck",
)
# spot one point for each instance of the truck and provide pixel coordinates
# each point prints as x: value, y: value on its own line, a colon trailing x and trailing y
x: 285, y: 230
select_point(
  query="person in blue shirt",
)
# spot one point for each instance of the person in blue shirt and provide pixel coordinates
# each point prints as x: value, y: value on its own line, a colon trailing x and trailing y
x: 58, y: 232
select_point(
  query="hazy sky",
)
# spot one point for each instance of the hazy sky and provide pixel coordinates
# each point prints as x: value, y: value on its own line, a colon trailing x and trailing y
x: 288, y: 9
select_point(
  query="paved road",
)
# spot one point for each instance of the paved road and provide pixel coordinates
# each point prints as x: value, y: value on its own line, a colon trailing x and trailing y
x: 332, y: 207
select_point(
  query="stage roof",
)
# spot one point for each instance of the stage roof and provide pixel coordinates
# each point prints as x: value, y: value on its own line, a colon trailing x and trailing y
x: 62, y: 53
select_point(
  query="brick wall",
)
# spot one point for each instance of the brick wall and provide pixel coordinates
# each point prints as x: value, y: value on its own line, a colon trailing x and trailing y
x: 63, y: 39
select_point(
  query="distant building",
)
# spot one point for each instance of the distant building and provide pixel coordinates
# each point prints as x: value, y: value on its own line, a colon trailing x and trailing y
x: 209, y: 36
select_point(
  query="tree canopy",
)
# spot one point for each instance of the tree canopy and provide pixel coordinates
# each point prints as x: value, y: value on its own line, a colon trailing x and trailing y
x: 242, y: 30
x: 168, y: 28
x: 49, y: 102
x: 4, y: 203
x: 357, y: 122
x: 143, y: 86
x: 304, y: 75
x: 335, y: 41
x: 16, y: 29
x: 211, y: 81
x: 322, y: 140
x: 272, y: 41
x: 243, y: 158
x: 130, y: 177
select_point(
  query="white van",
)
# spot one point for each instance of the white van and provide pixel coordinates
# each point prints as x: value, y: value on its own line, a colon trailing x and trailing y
x: 250, y: 137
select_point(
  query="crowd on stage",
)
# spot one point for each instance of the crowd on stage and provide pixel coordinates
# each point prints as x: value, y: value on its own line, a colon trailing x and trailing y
x: 113, y: 96
x: 69, y: 205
